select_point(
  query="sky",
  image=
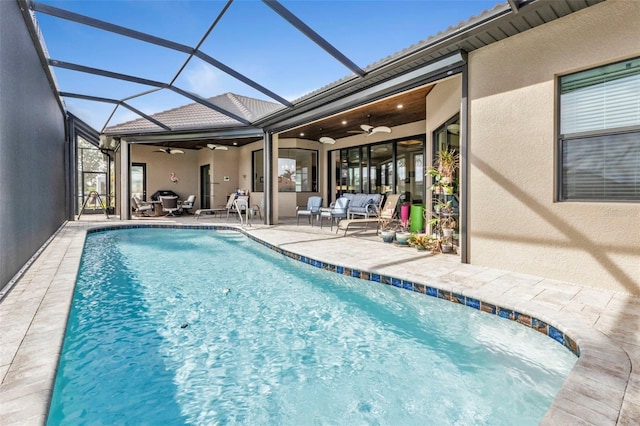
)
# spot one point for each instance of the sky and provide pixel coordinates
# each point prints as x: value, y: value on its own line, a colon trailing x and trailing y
x: 250, y: 38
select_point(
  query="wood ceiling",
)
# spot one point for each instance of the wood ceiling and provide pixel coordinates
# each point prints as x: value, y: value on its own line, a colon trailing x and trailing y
x: 382, y: 113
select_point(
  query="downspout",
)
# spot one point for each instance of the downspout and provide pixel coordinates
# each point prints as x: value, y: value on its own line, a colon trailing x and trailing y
x: 464, y: 163
x: 268, y: 181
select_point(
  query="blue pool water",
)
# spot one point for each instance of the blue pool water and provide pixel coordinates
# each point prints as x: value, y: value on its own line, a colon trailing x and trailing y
x: 154, y: 338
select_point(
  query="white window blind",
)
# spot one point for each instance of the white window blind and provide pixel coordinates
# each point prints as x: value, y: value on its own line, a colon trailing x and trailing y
x: 601, y: 98
x: 604, y: 163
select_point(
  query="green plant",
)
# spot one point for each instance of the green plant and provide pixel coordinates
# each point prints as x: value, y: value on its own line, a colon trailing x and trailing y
x: 447, y: 162
x: 446, y: 218
x: 423, y: 242
x: 439, y: 183
x: 388, y: 224
x: 442, y: 173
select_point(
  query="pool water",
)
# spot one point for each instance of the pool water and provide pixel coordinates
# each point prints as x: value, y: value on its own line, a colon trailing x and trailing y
x: 204, y: 327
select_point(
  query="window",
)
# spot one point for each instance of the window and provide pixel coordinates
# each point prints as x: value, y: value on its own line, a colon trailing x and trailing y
x: 600, y: 133
x: 410, y: 170
x: 297, y: 170
x: 391, y: 167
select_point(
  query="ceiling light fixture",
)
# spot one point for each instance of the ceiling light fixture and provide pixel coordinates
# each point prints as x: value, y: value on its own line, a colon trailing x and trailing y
x: 400, y: 106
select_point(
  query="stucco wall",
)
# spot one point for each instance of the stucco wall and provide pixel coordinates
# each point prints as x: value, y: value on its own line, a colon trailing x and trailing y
x: 514, y: 221
x: 160, y: 166
x: 225, y: 163
x: 32, y: 148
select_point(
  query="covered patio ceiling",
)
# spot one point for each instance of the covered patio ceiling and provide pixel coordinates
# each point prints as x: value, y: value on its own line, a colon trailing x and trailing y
x: 394, y: 111
x: 338, y: 106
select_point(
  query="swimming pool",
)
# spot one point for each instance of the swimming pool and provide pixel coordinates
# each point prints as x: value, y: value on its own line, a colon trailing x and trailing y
x: 153, y: 337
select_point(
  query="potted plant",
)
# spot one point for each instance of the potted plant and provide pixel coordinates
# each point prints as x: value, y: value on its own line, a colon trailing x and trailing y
x: 423, y: 242
x: 387, y: 231
x: 444, y: 224
x: 442, y: 174
x: 446, y: 164
x: 402, y: 236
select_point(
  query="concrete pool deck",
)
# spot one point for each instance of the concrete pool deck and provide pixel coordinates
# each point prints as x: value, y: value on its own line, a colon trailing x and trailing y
x: 602, y: 389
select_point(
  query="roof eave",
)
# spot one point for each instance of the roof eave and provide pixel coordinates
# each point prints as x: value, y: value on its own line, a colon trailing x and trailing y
x: 189, y: 134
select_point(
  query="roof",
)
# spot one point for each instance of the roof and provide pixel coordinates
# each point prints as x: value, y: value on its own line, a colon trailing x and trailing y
x: 197, y: 116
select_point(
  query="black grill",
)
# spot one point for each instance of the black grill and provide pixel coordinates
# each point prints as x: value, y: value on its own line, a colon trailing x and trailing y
x: 163, y: 192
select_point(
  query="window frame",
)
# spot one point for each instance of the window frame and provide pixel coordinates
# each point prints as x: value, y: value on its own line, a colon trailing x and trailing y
x: 562, y: 139
x: 315, y: 168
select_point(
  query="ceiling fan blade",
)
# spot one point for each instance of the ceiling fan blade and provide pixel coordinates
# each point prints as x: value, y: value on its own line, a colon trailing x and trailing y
x: 213, y: 146
x: 327, y: 140
x: 380, y: 129
x: 175, y: 151
x: 366, y: 127
x: 163, y: 150
x: 356, y: 131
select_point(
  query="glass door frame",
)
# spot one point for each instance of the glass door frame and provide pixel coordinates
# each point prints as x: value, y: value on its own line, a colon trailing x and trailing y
x: 205, y: 186
x: 143, y: 166
x: 338, y: 168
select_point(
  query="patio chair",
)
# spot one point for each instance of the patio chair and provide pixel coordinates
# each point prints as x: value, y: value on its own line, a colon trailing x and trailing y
x: 188, y: 204
x: 388, y: 210
x: 385, y: 215
x: 169, y: 205
x: 313, y: 209
x: 336, y: 212
x: 141, y: 207
x: 228, y: 208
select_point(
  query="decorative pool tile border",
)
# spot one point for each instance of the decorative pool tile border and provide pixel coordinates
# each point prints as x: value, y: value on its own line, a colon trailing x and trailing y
x: 510, y: 314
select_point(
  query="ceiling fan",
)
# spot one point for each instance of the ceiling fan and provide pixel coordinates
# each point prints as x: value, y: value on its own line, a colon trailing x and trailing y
x: 326, y: 139
x: 169, y: 150
x: 368, y: 129
x: 213, y: 146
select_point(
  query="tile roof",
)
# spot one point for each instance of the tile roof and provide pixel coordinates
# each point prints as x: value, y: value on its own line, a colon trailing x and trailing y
x: 198, y: 116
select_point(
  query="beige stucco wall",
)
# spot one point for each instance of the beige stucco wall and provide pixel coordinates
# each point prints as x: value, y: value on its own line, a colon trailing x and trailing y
x: 187, y: 167
x: 160, y: 166
x: 225, y: 164
x: 514, y: 221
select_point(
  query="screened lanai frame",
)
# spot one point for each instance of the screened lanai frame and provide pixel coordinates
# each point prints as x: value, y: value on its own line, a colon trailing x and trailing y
x: 433, y: 59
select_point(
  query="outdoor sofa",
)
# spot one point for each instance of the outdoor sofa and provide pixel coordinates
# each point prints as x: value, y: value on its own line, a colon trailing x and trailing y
x: 365, y: 205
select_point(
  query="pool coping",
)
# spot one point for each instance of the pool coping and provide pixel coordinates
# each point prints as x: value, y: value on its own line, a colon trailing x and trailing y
x: 593, y: 392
